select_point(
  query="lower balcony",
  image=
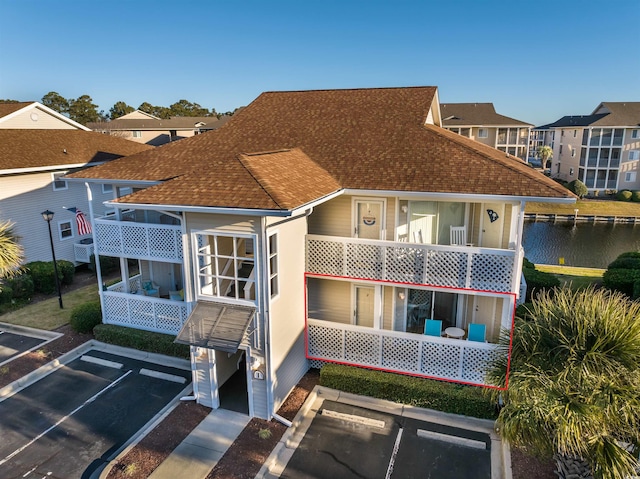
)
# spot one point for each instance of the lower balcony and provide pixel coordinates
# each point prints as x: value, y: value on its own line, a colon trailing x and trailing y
x: 413, y: 354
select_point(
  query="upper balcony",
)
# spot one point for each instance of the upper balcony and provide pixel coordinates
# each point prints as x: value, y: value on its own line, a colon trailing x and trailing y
x: 128, y: 239
x: 461, y: 267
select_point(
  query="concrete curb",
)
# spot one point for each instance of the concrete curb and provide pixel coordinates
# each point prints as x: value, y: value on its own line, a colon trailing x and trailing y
x: 33, y: 332
x: 280, y: 456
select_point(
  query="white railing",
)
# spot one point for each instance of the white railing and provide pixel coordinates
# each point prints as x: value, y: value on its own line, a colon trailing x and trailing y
x: 484, y: 269
x: 82, y: 252
x: 134, y: 284
x: 127, y: 239
x: 144, y: 312
x: 429, y: 356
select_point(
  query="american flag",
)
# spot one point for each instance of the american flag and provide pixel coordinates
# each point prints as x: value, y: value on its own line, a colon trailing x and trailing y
x: 83, y: 224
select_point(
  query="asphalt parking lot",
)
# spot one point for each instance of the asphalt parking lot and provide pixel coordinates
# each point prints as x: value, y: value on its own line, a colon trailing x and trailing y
x: 345, y: 436
x: 72, y: 421
x: 16, y: 341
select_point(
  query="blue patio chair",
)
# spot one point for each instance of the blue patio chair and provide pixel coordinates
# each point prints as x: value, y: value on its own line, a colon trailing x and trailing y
x: 477, y: 332
x: 433, y: 327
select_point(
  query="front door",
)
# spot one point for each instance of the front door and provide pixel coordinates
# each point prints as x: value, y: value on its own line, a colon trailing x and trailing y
x: 364, y: 308
x: 369, y: 219
x: 492, y: 225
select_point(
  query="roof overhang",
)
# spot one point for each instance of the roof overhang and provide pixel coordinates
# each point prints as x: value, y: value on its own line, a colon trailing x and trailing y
x: 198, y: 209
x: 215, y: 325
x: 37, y: 169
x: 458, y: 196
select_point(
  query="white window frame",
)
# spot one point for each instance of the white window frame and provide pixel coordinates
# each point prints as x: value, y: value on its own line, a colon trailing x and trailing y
x: 634, y: 155
x: 107, y: 188
x: 483, y: 133
x: 635, y: 134
x: 273, y: 265
x: 136, y: 134
x: 54, y: 179
x: 61, y: 230
x: 630, y: 177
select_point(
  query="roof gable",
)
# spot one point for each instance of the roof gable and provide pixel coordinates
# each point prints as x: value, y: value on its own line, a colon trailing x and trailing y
x: 11, y: 111
x: 472, y: 114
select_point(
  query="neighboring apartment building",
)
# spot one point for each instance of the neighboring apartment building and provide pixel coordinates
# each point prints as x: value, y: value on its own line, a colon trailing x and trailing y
x: 321, y: 226
x: 602, y: 149
x: 145, y: 128
x: 37, y: 147
x: 480, y: 122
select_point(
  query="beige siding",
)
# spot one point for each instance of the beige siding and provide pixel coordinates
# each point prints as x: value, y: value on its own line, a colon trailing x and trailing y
x: 485, y: 310
x: 24, y: 197
x: 229, y: 223
x: 490, y: 140
x: 387, y: 307
x: 329, y: 300
x: 42, y: 121
x: 332, y: 218
x: 569, y: 144
x: 287, y: 310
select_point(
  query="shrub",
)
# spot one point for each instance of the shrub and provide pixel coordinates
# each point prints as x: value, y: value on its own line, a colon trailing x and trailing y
x: 538, y: 281
x: 6, y: 293
x: 43, y: 275
x: 66, y: 270
x: 138, y: 339
x: 21, y: 285
x: 528, y: 264
x: 622, y: 280
x: 627, y: 262
x: 85, y: 317
x: 624, y: 195
x: 635, y: 196
x: 108, y: 264
x: 428, y: 393
x: 578, y: 188
x: 629, y: 254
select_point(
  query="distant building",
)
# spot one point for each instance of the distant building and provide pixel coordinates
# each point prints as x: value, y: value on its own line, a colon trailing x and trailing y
x: 602, y: 149
x: 480, y: 122
x: 145, y: 128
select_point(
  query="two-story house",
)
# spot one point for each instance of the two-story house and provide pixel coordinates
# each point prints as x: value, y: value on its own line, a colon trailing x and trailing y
x: 321, y: 226
x: 480, y: 122
x: 37, y: 147
x: 602, y: 149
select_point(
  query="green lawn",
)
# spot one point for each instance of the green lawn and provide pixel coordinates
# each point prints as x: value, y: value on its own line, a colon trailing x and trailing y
x: 587, y: 207
x: 47, y: 314
x: 572, y: 276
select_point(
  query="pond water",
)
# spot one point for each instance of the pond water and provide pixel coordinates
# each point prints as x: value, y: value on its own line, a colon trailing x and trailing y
x: 584, y: 244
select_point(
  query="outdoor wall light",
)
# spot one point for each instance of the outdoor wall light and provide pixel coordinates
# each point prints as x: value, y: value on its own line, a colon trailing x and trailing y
x: 255, y: 362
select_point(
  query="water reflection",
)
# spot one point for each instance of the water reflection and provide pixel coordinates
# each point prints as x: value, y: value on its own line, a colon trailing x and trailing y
x: 583, y: 244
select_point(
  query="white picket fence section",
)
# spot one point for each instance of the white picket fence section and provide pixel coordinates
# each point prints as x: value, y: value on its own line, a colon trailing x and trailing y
x: 483, y: 269
x: 452, y: 359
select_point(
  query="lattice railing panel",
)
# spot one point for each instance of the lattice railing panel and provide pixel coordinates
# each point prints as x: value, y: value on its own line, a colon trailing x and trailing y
x: 362, y: 347
x: 406, y: 353
x: 139, y: 240
x: 447, y: 266
x: 489, y: 272
x: 141, y: 312
x: 326, y: 257
x: 82, y: 252
x: 364, y: 261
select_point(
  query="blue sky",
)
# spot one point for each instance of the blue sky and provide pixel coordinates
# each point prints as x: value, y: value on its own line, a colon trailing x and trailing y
x: 536, y: 61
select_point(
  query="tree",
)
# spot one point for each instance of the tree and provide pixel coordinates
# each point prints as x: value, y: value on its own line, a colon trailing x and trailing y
x: 83, y: 110
x: 186, y: 108
x: 545, y: 153
x: 158, y: 111
x: 578, y: 188
x: 8, y: 101
x: 574, y: 383
x: 56, y: 102
x: 119, y: 109
x: 11, y: 252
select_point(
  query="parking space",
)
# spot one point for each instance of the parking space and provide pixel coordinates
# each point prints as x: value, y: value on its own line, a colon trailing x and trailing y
x: 74, y: 420
x: 357, y: 438
x: 16, y: 341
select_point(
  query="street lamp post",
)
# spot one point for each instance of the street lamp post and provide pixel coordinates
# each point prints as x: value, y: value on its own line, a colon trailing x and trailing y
x: 48, y: 216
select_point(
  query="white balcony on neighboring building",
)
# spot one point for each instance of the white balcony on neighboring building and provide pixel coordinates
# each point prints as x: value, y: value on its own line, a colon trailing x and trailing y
x: 128, y: 239
x: 414, y: 354
x: 461, y: 267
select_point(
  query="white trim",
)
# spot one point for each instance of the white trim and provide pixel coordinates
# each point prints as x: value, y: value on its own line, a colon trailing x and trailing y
x: 35, y: 169
x: 54, y: 179
x: 478, y: 198
x: 198, y: 209
x: 270, y: 275
x: 60, y: 237
x: 48, y: 110
x: 383, y: 215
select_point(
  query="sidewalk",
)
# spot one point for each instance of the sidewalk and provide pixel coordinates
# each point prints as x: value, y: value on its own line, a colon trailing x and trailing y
x: 203, y: 447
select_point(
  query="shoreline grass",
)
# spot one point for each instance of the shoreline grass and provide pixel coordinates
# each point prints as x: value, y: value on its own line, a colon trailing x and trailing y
x: 573, y: 277
x: 586, y: 207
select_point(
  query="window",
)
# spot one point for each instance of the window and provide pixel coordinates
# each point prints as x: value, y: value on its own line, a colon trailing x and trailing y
x: 558, y: 171
x: 225, y: 266
x: 570, y: 171
x: 107, y: 188
x: 273, y: 265
x: 634, y: 155
x: 630, y: 177
x: 635, y: 134
x: 573, y: 153
x: 560, y: 150
x: 136, y: 134
x: 575, y: 133
x: 58, y: 184
x: 65, y: 229
x: 483, y: 133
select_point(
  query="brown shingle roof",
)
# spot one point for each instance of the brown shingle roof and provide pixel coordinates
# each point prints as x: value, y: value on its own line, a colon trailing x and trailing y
x: 621, y: 114
x: 481, y: 114
x: 36, y: 148
x: 176, y: 122
x: 8, y: 108
x: 365, y: 139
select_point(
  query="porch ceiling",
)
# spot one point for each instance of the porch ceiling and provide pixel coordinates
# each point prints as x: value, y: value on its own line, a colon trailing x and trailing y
x: 214, y: 325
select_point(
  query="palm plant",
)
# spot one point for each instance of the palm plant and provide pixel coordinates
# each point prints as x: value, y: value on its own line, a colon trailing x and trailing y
x: 545, y: 153
x: 574, y: 382
x: 11, y: 252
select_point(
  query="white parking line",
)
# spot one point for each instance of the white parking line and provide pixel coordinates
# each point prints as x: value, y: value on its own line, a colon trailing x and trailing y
x: 101, y: 362
x: 62, y: 419
x: 159, y: 375
x: 460, y: 441
x: 392, y: 461
x: 353, y: 418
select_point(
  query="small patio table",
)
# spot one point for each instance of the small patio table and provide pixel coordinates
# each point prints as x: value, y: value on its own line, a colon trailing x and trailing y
x: 456, y: 333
